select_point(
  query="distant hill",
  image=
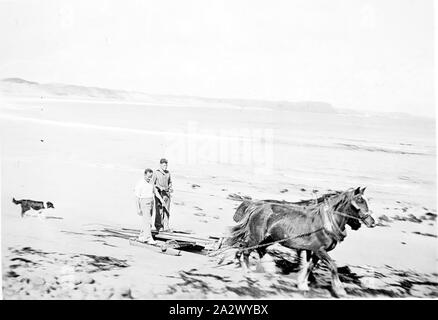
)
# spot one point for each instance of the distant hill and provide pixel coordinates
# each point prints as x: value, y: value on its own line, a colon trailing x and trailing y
x: 18, y: 80
x: 300, y: 106
x: 18, y: 87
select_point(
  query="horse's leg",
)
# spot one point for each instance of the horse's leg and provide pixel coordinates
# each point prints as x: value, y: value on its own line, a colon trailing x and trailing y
x: 245, y: 265
x: 238, y: 257
x: 337, y: 285
x: 305, y: 263
x: 261, y: 251
x: 263, y: 245
x: 252, y: 243
x: 315, y: 260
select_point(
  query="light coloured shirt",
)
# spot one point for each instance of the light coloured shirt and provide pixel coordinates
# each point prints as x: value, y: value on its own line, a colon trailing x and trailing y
x: 144, y: 189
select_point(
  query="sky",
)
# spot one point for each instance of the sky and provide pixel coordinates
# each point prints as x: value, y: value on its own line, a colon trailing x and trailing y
x: 375, y: 55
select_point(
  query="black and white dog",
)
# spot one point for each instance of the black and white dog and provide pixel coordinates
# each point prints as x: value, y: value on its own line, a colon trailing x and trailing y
x: 35, y: 208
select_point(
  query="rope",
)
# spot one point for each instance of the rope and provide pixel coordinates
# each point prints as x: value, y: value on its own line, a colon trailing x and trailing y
x: 347, y: 215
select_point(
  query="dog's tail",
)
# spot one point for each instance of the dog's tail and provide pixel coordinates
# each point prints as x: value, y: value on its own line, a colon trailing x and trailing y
x: 15, y: 201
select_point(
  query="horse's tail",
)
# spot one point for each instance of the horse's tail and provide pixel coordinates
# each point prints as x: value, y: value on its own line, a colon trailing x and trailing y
x: 240, y: 231
x: 15, y: 201
x: 241, y: 210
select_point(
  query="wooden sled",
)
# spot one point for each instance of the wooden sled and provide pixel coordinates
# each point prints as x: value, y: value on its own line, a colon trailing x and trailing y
x: 178, y: 240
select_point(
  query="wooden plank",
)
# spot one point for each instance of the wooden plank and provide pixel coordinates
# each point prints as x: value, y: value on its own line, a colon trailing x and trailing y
x: 156, y: 248
x: 154, y: 231
x: 185, y: 234
x: 180, y: 235
x: 197, y: 241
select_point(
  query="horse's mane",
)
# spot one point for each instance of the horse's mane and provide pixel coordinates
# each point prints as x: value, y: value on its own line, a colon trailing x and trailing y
x: 334, y: 201
x: 319, y: 200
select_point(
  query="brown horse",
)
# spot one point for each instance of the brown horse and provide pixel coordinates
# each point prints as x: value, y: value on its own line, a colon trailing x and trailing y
x: 312, y: 230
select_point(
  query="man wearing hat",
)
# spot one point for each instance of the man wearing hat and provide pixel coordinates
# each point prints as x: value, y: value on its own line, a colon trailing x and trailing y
x: 163, y: 188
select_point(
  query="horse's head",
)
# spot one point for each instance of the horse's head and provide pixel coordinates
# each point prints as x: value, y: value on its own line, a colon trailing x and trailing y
x: 360, y: 210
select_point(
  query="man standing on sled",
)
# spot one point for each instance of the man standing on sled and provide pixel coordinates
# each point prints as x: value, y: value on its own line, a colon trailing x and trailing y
x: 163, y: 188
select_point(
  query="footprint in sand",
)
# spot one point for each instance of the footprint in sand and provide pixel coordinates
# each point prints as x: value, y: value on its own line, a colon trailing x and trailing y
x: 200, y: 214
x: 12, y: 274
x: 425, y: 234
x: 431, y: 216
x: 238, y: 197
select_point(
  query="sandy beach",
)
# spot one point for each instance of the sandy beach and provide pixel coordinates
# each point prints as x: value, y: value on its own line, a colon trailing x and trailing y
x: 86, y: 158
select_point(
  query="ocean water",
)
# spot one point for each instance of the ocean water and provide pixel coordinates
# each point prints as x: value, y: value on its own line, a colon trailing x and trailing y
x: 393, y: 157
